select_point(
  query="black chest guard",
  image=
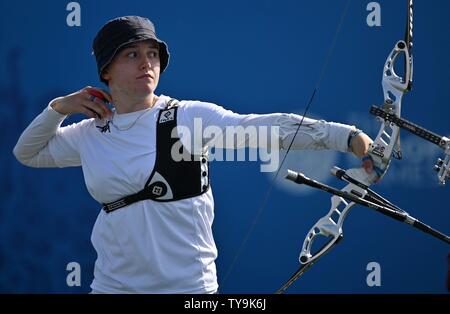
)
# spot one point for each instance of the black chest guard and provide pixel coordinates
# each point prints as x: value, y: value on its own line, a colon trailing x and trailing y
x: 170, y: 180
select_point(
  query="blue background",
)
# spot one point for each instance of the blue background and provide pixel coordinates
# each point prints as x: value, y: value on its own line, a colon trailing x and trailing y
x: 250, y: 57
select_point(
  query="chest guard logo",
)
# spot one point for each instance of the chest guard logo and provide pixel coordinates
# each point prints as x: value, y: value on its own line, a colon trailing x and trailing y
x: 167, y: 116
x: 158, y: 189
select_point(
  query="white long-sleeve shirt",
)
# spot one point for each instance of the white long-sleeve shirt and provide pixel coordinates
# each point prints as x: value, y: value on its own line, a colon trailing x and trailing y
x: 149, y: 246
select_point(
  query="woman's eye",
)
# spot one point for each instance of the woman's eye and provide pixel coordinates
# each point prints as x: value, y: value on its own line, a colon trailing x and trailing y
x: 132, y: 54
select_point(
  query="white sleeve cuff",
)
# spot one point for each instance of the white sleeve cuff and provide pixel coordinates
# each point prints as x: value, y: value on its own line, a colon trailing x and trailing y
x: 52, y: 114
x: 338, y: 136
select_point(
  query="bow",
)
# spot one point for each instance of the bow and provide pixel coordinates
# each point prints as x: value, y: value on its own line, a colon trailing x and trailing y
x: 385, y: 147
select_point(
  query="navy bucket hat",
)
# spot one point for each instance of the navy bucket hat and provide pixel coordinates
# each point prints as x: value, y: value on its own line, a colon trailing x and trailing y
x: 122, y: 31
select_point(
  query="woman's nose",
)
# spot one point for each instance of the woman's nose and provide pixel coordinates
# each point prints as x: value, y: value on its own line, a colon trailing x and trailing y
x: 145, y: 63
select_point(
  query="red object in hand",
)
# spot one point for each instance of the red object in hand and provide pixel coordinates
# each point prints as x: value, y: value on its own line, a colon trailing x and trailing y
x: 97, y: 94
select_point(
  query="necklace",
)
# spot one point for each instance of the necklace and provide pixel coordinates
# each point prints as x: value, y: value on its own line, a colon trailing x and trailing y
x: 134, y: 122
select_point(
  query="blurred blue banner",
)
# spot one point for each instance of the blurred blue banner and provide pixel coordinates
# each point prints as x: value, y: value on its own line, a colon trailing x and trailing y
x: 250, y: 57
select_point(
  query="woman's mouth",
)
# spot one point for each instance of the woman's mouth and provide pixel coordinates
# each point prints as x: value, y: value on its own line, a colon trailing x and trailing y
x: 144, y: 76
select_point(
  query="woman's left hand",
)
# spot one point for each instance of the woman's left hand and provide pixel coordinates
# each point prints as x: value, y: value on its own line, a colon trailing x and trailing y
x: 360, y: 146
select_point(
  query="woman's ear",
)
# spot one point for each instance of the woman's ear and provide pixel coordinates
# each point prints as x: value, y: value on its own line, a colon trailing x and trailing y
x: 105, y: 75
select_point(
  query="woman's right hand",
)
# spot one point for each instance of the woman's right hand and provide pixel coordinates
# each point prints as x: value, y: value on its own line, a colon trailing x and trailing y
x: 83, y: 102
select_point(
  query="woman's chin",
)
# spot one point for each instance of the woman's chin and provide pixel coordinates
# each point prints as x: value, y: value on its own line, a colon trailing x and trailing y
x: 144, y: 90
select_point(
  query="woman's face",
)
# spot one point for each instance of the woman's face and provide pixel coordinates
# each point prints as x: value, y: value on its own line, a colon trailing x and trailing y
x: 135, y: 69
